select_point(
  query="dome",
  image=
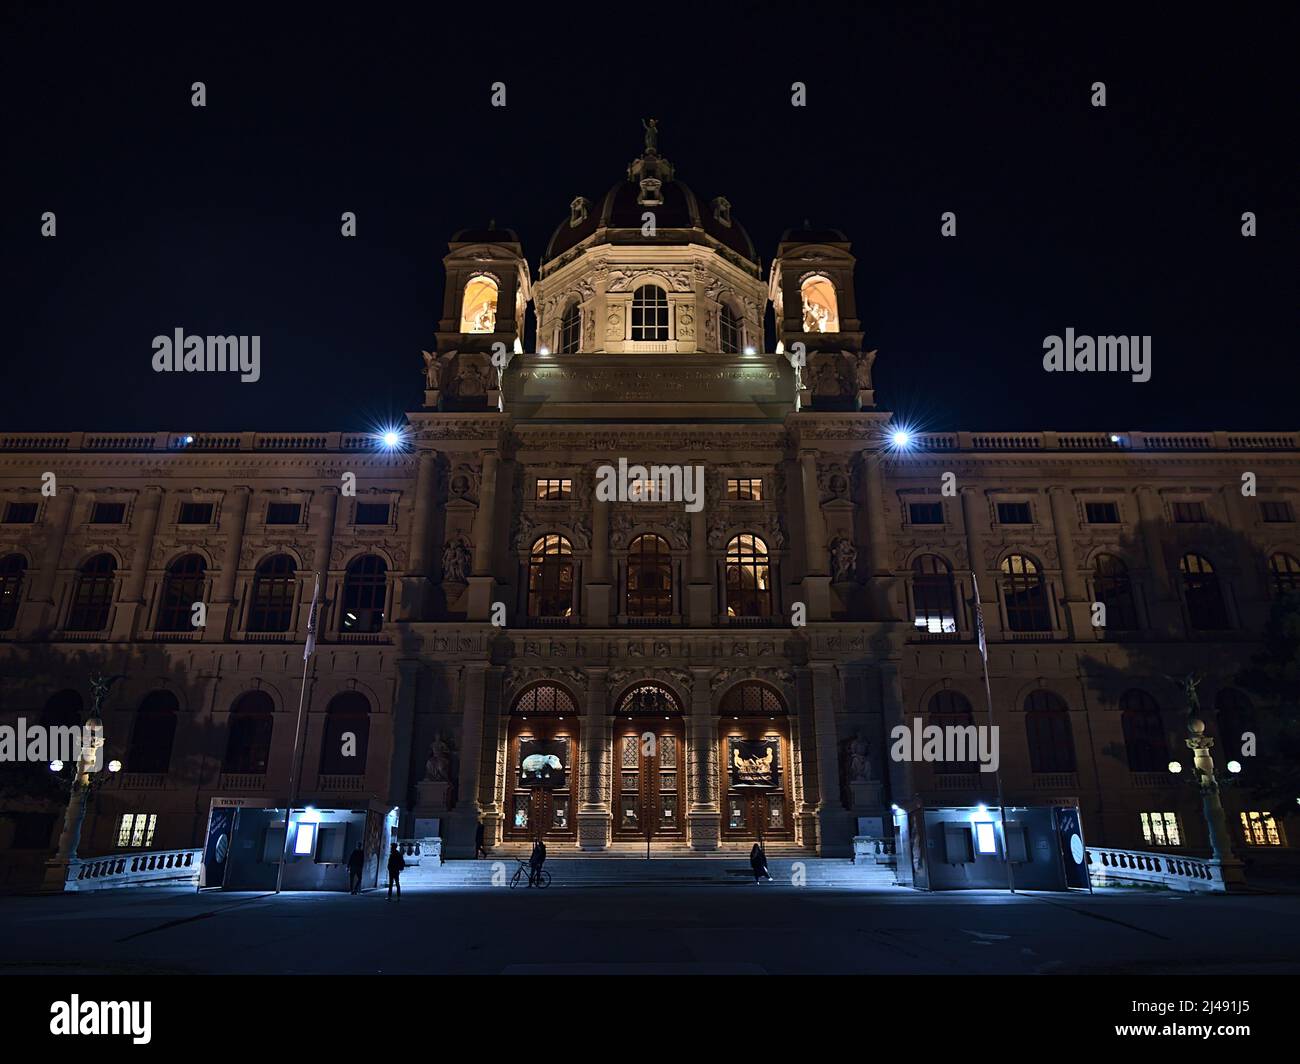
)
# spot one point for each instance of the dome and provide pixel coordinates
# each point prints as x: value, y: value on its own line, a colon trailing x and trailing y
x: 805, y: 234
x: 679, y: 215
x: 490, y: 235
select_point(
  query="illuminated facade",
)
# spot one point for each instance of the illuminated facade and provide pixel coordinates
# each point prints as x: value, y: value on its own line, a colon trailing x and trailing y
x: 649, y: 674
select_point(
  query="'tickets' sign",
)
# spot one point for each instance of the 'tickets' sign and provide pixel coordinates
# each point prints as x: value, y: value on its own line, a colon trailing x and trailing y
x: 754, y: 762
x: 542, y: 762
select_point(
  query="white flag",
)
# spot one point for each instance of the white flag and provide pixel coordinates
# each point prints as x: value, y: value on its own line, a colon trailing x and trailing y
x: 310, y: 646
x: 979, y: 620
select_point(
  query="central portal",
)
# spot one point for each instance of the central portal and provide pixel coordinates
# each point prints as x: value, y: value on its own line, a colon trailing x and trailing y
x: 648, y: 742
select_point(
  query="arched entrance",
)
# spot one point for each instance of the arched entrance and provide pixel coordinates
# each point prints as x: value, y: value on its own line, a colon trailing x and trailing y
x: 542, y: 765
x: 754, y: 761
x: 649, y: 755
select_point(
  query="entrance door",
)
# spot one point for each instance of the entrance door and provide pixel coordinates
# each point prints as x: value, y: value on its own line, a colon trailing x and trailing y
x: 650, y: 784
x: 755, y: 769
x: 543, y: 755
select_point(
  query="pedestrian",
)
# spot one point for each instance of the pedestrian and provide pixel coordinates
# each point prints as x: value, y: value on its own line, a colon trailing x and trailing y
x: 356, y: 862
x: 758, y: 862
x: 395, y: 865
x: 479, y: 851
x: 536, y: 861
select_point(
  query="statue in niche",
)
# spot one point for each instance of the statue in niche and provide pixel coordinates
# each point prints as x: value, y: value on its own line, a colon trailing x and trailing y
x: 858, y: 750
x: 435, y: 370
x: 456, y: 561
x: 437, y: 766
x: 844, y: 559
x: 815, y: 316
x: 863, y: 371
x: 651, y: 127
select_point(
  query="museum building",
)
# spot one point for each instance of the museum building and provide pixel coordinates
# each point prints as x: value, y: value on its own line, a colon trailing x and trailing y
x: 714, y: 652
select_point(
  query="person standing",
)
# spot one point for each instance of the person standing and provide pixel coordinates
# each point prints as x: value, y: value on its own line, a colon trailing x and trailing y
x: 396, y: 862
x: 536, y: 861
x: 479, y: 851
x: 356, y: 862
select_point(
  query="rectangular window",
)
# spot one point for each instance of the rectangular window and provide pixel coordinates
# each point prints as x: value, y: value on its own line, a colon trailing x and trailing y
x: 1189, y: 513
x: 108, y: 513
x: 20, y: 513
x: 135, y: 830
x: 1161, y: 829
x: 371, y: 513
x: 195, y: 513
x: 283, y: 513
x: 555, y: 490
x: 985, y: 839
x: 925, y: 513
x: 1101, y: 513
x: 1260, y: 829
x: 1014, y: 513
x: 1276, y: 511
x: 746, y: 490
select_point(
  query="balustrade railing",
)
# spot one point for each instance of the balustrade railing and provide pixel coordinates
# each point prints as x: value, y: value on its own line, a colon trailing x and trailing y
x: 1174, y: 871
x: 150, y: 868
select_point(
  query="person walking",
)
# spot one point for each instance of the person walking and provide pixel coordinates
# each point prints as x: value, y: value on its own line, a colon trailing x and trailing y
x: 356, y: 862
x: 396, y: 862
x: 536, y: 861
x: 758, y: 862
x: 479, y: 851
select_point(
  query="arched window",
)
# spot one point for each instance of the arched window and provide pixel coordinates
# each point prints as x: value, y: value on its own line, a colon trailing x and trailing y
x: 1144, y: 732
x: 1205, y: 609
x: 347, y: 735
x: 754, y: 698
x: 1047, y: 727
x: 248, y: 736
x: 649, y: 313
x: 545, y: 698
x: 951, y: 709
x: 730, y: 335
x: 749, y: 584
x: 1236, y: 717
x: 1025, y: 595
x: 1284, y: 569
x: 550, y: 578
x: 1112, y: 587
x: 571, y: 330
x: 93, y: 595
x: 478, y: 308
x: 273, y: 588
x: 932, y: 595
x: 649, y: 577
x: 821, y: 312
x: 153, y: 734
x: 648, y: 699
x: 13, y: 567
x: 365, y: 587
x: 181, y: 588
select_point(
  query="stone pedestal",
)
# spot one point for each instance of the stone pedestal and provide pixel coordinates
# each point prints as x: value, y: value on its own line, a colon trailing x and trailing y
x: 866, y: 796
x: 482, y: 593
x: 816, y: 594
x: 594, y: 830
x: 431, y: 798
x: 705, y: 829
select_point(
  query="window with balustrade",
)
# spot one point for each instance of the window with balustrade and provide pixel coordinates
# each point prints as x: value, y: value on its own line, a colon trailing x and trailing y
x: 92, y: 595
x: 749, y: 579
x: 952, y: 709
x: 649, y: 577
x: 1112, y: 587
x: 182, y: 587
x: 248, y: 734
x: 1024, y: 595
x: 550, y: 578
x: 1049, y: 733
x: 1205, y: 607
x: 1145, y: 742
x: 649, y: 313
x: 153, y: 733
x: 274, y: 584
x: 934, y: 602
x: 365, y: 590
x: 346, y: 739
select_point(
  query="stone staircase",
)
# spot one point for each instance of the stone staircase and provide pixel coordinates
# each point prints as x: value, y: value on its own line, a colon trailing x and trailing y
x: 626, y: 870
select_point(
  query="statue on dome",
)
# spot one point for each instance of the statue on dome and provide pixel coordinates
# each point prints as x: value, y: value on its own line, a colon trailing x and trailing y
x: 651, y: 128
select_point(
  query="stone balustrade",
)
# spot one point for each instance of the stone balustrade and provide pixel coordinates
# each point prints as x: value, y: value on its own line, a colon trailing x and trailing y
x: 150, y: 868
x: 1173, y: 871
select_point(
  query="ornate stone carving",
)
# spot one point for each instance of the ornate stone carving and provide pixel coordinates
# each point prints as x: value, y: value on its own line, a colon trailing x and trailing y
x: 621, y: 677
x: 517, y: 677
x: 463, y: 481
x: 457, y: 557
x: 782, y: 678
x: 844, y: 559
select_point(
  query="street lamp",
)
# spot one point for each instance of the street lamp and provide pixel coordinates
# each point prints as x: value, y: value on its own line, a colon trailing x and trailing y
x: 1206, y: 780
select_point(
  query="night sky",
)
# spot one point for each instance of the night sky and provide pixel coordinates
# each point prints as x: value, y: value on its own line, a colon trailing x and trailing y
x: 226, y: 219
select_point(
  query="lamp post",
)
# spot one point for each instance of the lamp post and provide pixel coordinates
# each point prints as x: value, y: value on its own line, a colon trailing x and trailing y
x: 84, y: 777
x: 1208, y: 782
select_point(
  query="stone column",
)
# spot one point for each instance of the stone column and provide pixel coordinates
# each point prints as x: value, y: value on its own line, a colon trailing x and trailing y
x: 1165, y: 611
x: 816, y: 581
x: 403, y: 732
x: 595, y: 818
x: 129, y: 618
x: 975, y: 518
x: 834, y: 822
x: 221, y: 611
x: 416, y: 584
x: 1248, y: 593
x: 482, y: 584
x: 1077, y: 602
x: 458, y: 838
x: 883, y: 587
x: 699, y: 586
x: 704, y: 812
x: 806, y: 752
x: 39, y: 610
x: 598, y: 589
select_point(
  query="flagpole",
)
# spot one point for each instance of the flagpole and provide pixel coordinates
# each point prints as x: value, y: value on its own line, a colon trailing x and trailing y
x: 988, y: 700
x: 307, y: 651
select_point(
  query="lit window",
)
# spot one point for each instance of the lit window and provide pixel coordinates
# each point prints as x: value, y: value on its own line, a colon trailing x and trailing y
x: 555, y: 490
x: 985, y: 839
x: 745, y: 490
x: 304, y: 841
x: 748, y: 578
x: 135, y: 830
x: 649, y: 313
x: 1260, y: 829
x: 570, y: 330
x: 729, y: 331
x: 478, y: 310
x: 1161, y: 829
x: 932, y: 595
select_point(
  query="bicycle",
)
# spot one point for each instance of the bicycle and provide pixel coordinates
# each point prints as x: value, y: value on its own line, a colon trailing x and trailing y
x: 541, y: 879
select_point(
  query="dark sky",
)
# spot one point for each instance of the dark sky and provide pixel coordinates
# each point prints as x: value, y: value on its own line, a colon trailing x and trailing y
x: 226, y: 219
